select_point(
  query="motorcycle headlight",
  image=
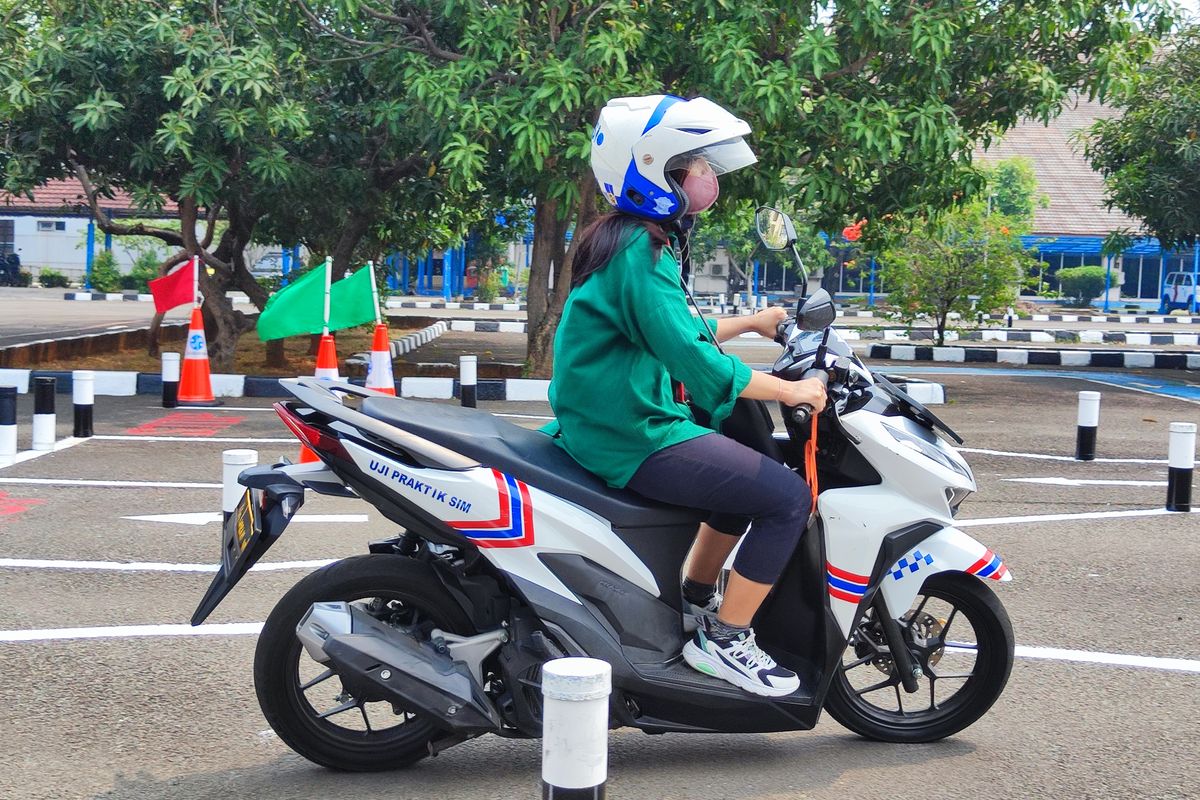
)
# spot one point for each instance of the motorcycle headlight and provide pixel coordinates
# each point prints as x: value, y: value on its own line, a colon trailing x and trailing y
x: 928, y: 450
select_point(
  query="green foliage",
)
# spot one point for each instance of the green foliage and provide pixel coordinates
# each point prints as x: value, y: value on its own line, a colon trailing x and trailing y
x: 1012, y: 187
x: 1081, y: 285
x: 1150, y: 155
x: 105, y: 275
x: 24, y: 279
x: 53, y: 279
x: 488, y: 288
x: 964, y: 261
x: 145, y: 269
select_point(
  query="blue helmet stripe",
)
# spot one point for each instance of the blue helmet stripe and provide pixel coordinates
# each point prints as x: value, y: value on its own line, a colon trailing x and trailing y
x: 656, y: 117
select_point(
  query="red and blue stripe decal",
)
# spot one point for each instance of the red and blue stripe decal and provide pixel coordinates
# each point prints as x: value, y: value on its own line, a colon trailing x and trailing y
x: 845, y: 585
x: 514, y: 526
x: 988, y: 566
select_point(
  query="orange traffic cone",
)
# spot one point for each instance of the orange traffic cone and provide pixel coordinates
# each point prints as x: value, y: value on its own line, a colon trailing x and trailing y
x: 327, y: 360
x: 327, y: 369
x: 379, y: 370
x: 195, y: 382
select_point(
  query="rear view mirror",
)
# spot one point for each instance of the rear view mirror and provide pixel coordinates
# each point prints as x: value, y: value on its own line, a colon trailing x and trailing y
x: 817, y: 312
x: 775, y: 229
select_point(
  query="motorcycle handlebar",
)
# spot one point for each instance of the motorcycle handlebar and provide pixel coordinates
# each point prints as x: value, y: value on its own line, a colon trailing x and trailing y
x: 802, y: 413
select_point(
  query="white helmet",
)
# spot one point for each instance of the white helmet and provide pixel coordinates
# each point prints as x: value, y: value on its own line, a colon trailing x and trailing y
x: 639, y: 140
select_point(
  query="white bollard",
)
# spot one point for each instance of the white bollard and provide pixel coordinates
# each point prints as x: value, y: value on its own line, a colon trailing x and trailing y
x: 575, y: 728
x: 8, y: 425
x: 83, y: 395
x: 1087, y: 421
x: 1010, y: 317
x: 170, y: 380
x: 232, y: 464
x: 1181, y: 462
x: 467, y: 379
x: 44, y: 420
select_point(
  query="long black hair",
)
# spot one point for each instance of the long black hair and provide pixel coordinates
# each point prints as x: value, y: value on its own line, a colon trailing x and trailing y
x: 600, y: 241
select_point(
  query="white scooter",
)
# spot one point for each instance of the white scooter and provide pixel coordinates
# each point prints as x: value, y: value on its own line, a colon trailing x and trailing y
x: 511, y: 554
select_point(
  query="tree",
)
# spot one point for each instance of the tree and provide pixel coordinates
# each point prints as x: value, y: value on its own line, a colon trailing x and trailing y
x: 874, y: 107
x: 1150, y: 155
x: 963, y: 261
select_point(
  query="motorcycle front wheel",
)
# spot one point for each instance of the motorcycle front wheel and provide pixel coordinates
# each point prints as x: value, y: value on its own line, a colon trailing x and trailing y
x: 958, y: 633
x: 305, y: 703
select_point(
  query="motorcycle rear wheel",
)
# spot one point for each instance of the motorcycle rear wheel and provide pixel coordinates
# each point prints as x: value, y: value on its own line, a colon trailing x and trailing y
x: 405, y: 587
x: 867, y: 710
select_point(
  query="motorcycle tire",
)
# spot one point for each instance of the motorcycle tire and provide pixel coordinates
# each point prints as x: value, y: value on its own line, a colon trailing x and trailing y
x: 994, y: 637
x: 276, y: 681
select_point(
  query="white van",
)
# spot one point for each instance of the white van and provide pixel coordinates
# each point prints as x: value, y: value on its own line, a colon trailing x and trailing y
x: 1179, y: 291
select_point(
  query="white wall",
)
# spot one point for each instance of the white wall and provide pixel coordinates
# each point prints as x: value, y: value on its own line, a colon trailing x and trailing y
x: 66, y: 250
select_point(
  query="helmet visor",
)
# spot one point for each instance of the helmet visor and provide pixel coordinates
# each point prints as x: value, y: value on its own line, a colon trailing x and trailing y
x: 723, y: 156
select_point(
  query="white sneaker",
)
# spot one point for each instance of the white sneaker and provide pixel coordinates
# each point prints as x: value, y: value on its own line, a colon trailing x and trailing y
x: 738, y: 660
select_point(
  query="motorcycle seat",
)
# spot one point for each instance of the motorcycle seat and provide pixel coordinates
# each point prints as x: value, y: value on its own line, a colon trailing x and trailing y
x: 527, y: 455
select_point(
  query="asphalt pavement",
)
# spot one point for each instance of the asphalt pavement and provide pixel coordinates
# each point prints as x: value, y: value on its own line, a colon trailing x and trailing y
x: 152, y: 717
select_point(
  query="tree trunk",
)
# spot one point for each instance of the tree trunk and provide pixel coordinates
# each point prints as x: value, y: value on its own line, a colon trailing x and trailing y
x: 276, y: 356
x: 539, y: 360
x: 545, y: 227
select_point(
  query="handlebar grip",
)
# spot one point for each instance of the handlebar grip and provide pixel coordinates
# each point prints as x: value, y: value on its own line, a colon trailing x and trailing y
x: 802, y: 413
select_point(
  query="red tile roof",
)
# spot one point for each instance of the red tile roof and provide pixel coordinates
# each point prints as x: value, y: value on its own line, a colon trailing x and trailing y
x: 1075, y: 191
x: 66, y: 197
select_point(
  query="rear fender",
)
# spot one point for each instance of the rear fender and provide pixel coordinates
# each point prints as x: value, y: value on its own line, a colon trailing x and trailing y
x: 948, y: 550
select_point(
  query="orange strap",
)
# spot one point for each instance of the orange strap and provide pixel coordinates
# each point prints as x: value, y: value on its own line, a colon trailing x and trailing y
x: 810, y: 462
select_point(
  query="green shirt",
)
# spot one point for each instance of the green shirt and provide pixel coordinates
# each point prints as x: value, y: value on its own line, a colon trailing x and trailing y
x: 623, y: 335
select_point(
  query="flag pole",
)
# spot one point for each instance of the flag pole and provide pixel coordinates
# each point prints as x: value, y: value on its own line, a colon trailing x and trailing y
x: 374, y: 290
x: 328, y: 282
x: 196, y: 281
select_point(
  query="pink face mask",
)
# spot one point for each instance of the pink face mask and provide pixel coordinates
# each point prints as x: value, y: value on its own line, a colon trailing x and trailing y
x: 701, y: 187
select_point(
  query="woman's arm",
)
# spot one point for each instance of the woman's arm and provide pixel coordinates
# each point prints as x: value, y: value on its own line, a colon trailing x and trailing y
x: 764, y: 323
x: 792, y: 393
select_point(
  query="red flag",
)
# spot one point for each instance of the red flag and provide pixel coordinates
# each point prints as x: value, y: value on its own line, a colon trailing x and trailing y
x: 173, y: 289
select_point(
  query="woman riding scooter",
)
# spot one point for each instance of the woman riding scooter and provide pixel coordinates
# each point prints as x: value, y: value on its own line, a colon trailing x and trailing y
x: 626, y: 332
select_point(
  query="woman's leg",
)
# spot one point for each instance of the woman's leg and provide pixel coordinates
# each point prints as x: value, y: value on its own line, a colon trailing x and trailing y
x: 708, y: 555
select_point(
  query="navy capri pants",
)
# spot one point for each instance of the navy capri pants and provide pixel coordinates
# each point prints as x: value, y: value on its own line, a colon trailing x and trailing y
x: 738, y: 486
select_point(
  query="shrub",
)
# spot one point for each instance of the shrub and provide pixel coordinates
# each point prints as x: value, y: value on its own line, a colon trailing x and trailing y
x: 489, y: 286
x: 53, y: 279
x: 24, y: 278
x: 145, y: 269
x: 105, y: 277
x: 1081, y: 285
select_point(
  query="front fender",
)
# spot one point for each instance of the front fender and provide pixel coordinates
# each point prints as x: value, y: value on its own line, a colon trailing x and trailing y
x: 948, y: 550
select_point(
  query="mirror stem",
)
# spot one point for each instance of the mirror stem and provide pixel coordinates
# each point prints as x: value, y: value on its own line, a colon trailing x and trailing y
x: 803, y: 271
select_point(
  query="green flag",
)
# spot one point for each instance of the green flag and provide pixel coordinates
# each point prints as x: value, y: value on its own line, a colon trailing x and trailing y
x: 299, y: 308
x: 352, y: 300
x: 296, y: 309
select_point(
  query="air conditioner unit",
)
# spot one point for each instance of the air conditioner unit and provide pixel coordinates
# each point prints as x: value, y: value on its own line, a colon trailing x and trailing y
x: 718, y: 270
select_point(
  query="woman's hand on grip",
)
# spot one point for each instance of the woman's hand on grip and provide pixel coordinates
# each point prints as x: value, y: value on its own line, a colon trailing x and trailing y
x: 809, y: 391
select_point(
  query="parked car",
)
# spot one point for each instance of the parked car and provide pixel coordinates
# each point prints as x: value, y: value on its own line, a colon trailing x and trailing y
x: 1179, y: 291
x: 267, y: 266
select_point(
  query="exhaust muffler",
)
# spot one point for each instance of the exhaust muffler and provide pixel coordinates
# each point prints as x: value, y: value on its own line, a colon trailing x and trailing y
x: 377, y: 662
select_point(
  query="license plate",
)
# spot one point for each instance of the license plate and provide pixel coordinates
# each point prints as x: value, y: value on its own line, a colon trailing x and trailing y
x: 241, y: 527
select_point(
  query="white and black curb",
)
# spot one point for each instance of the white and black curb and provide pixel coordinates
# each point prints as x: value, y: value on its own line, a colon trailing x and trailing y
x: 236, y: 299
x: 408, y: 343
x: 44, y: 419
x: 8, y: 425
x: 1181, y: 462
x: 170, y: 380
x: 467, y: 379
x: 1036, y: 357
x: 232, y: 464
x: 395, y: 302
x: 1152, y: 319
x: 575, y: 728
x: 83, y: 397
x: 1087, y: 422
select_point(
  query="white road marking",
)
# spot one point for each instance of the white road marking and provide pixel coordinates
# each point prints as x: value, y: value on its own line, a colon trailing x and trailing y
x: 1142, y: 512
x: 150, y: 566
x: 230, y: 439
x: 252, y: 628
x: 522, y: 416
x: 207, y: 517
x: 29, y: 455
x: 1046, y: 457
x: 110, y: 484
x: 216, y: 408
x: 127, y: 631
x: 1082, y: 482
